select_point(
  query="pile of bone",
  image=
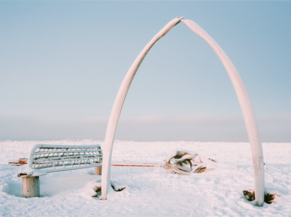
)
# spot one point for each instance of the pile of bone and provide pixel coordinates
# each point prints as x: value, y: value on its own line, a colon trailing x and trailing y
x: 185, y: 163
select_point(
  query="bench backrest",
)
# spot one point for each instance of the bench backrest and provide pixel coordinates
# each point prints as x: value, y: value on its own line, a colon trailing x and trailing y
x: 55, y: 158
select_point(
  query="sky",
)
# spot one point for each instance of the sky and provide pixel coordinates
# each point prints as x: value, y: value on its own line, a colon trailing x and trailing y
x: 62, y: 62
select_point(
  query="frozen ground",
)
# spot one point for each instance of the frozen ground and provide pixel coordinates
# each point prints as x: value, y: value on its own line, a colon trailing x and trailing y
x: 151, y: 193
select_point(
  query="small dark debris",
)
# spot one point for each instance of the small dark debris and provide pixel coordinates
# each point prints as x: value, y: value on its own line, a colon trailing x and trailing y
x: 268, y: 198
x: 118, y: 189
x: 200, y: 170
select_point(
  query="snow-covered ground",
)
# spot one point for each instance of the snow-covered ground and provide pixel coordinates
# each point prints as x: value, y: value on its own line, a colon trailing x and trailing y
x: 151, y: 193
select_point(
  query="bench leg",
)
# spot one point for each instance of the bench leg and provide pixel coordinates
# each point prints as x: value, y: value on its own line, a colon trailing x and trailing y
x: 98, y: 170
x: 30, y: 187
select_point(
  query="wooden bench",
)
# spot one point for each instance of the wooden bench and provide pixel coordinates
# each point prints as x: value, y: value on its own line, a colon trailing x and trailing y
x: 45, y: 159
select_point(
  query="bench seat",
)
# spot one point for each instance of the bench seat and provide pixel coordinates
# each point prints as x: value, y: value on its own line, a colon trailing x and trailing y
x: 45, y: 159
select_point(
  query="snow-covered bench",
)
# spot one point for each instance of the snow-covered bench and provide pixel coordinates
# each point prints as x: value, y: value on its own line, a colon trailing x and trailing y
x: 45, y: 159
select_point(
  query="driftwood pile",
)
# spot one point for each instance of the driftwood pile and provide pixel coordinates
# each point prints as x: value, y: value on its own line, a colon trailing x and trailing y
x: 185, y: 163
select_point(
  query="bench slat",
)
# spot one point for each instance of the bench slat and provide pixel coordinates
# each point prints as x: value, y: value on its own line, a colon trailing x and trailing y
x: 67, y: 151
x: 56, y: 158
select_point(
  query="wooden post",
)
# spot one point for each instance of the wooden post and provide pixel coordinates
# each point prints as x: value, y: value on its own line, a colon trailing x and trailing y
x: 98, y: 170
x: 30, y: 187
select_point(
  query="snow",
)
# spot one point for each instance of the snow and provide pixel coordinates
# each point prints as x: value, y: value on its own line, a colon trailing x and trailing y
x: 151, y: 192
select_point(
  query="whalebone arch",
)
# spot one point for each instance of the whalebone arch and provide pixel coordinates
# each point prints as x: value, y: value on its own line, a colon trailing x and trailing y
x: 245, y: 104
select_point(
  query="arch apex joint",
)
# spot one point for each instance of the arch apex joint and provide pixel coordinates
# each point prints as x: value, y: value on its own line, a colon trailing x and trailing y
x: 180, y: 18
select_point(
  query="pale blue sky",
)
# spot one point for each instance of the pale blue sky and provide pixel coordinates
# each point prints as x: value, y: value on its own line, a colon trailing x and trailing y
x: 62, y: 63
